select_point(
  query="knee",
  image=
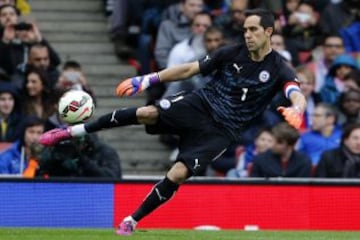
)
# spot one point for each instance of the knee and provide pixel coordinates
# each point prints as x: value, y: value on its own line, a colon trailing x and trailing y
x: 178, y: 173
x: 147, y: 115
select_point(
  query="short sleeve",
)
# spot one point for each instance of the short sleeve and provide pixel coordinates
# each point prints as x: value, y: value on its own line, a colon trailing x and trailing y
x: 289, y: 80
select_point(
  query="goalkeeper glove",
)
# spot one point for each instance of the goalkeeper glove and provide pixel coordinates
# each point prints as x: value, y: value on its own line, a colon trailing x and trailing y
x: 131, y: 86
x: 293, y: 115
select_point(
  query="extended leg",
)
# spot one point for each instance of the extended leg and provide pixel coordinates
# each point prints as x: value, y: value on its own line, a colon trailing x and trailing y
x: 160, y: 193
x: 118, y: 118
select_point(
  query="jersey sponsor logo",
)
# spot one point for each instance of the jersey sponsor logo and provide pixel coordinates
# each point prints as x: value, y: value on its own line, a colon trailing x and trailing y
x: 207, y: 58
x: 237, y: 67
x: 264, y: 76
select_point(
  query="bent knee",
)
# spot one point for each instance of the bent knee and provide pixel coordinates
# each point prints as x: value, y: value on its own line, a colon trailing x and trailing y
x: 178, y: 173
x: 147, y: 114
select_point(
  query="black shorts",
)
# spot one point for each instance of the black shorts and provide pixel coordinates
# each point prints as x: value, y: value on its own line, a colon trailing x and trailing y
x: 201, y: 141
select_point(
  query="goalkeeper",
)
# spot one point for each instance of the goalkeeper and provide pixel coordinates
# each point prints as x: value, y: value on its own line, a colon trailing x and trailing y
x: 246, y: 78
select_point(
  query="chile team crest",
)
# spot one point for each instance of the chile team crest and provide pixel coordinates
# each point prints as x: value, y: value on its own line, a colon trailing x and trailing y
x: 264, y: 76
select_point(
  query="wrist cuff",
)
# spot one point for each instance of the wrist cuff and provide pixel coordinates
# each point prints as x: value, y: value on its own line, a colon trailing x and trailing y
x: 154, y: 78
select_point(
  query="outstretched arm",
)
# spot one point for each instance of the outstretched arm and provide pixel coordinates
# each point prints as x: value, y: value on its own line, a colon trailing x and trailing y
x: 179, y: 72
x: 134, y: 85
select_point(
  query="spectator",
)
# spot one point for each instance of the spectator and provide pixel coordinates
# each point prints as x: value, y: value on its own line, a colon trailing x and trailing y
x: 334, y: 82
x: 332, y: 47
x: 173, y: 31
x: 73, y: 77
x: 8, y: 18
x: 307, y: 86
x: 350, y: 107
x: 132, y: 20
x: 264, y: 140
x: 38, y: 97
x: 343, y: 161
x: 324, y: 133
x: 213, y: 39
x: 82, y: 157
x: 282, y: 160
x: 351, y: 36
x: 10, y: 117
x: 189, y: 50
x: 301, y: 31
x: 18, y: 37
x: 338, y: 15
x: 154, y: 12
x: 39, y: 57
x: 15, y: 159
x: 278, y: 44
x: 352, y: 81
x: 23, y: 5
x: 232, y: 22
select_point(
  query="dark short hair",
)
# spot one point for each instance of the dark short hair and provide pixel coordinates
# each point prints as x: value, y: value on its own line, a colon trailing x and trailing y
x: 267, y: 18
x: 355, y: 75
x: 11, y: 6
x: 333, y: 35
x: 284, y: 132
x: 263, y: 130
x: 38, y: 45
x: 213, y: 29
x: 348, y: 130
x: 330, y: 110
x: 72, y: 64
x: 29, y: 121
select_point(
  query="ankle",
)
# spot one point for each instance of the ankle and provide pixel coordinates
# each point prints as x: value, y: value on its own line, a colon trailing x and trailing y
x: 130, y: 218
x: 77, y: 130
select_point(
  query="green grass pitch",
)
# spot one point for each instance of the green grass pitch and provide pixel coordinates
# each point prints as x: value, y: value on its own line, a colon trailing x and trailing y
x: 108, y: 234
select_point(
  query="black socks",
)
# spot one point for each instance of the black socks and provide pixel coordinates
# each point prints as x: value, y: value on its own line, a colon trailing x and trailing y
x: 160, y: 193
x: 117, y: 118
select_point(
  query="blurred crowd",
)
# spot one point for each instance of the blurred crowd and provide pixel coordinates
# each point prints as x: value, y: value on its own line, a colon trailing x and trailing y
x: 32, y: 80
x: 320, y: 39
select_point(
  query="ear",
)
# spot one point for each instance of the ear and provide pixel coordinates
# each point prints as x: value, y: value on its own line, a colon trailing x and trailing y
x: 269, y: 31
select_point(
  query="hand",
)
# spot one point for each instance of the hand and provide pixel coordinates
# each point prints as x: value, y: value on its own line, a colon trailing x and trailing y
x: 37, y: 37
x: 131, y: 86
x: 35, y: 150
x: 9, y: 34
x: 292, y: 115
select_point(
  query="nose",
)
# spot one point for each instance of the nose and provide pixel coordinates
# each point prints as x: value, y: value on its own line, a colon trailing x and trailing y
x: 247, y: 35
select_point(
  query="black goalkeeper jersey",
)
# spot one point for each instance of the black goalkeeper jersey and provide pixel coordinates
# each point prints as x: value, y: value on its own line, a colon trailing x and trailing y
x: 241, y: 88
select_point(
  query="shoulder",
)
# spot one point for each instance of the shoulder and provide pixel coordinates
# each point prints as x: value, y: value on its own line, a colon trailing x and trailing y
x: 232, y: 48
x: 167, y: 25
x: 13, y: 150
x: 300, y: 156
x: 263, y: 156
x: 276, y: 58
x: 308, y: 135
x: 331, y: 153
x: 180, y: 46
x: 231, y: 51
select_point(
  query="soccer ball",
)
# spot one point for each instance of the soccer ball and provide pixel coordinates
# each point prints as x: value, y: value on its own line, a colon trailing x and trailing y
x: 76, y: 106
